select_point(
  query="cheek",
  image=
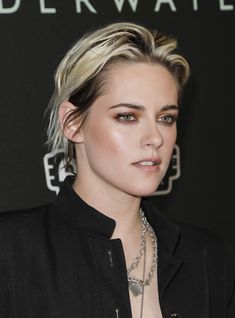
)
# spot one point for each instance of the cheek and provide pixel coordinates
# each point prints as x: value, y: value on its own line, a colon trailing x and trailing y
x: 169, y: 138
x: 172, y: 133
x: 106, y: 139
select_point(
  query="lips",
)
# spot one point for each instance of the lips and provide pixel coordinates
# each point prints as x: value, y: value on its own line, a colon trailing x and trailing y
x: 148, y: 162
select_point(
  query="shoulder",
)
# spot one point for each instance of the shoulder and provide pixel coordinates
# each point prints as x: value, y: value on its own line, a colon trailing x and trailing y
x: 184, y: 238
x: 195, y: 240
x: 14, y: 223
x: 212, y: 256
x: 12, y: 218
x: 198, y: 235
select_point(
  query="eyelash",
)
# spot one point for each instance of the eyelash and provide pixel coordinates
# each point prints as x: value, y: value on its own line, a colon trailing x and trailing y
x: 168, y: 120
x: 121, y: 117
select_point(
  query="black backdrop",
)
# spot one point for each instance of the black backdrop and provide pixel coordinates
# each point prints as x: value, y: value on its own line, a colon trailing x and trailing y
x: 35, y: 34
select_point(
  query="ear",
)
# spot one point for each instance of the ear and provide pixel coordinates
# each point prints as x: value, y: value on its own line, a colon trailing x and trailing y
x: 71, y: 129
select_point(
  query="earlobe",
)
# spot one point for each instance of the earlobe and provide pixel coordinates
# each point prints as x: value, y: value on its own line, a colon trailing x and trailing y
x: 69, y: 127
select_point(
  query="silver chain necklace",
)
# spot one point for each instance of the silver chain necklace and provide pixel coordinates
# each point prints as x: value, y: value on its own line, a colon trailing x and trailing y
x: 142, y: 295
x: 137, y: 285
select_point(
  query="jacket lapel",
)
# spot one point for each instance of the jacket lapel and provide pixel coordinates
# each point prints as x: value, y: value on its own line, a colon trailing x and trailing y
x: 168, y: 235
x: 168, y: 266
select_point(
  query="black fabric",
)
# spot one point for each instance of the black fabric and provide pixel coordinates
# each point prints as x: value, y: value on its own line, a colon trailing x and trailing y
x: 57, y: 261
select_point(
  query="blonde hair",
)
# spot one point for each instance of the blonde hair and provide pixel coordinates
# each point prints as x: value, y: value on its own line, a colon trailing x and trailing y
x: 80, y: 75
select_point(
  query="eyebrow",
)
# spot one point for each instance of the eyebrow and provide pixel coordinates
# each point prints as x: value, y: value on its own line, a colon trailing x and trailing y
x: 142, y: 108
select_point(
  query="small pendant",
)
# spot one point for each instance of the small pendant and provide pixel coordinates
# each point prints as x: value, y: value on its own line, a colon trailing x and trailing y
x: 136, y: 288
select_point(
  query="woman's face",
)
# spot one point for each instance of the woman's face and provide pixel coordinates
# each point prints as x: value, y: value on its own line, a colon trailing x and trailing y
x: 128, y: 139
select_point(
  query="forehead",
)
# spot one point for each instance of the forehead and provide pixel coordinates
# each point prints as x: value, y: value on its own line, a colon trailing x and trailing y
x: 140, y: 81
x: 149, y: 85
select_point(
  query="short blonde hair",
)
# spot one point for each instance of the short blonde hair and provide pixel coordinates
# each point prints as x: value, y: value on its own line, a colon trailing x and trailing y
x: 80, y: 75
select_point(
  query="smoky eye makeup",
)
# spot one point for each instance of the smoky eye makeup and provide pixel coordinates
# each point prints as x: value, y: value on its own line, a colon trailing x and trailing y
x: 126, y: 117
x: 167, y: 119
x: 167, y: 115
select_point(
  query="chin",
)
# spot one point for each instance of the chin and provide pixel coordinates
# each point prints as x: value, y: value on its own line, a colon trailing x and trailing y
x: 144, y: 191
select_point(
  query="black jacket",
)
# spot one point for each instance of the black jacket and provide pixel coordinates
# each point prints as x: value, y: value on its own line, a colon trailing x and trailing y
x: 57, y: 261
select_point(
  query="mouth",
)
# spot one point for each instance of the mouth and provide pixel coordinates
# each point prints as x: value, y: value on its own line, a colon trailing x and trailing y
x: 148, y: 163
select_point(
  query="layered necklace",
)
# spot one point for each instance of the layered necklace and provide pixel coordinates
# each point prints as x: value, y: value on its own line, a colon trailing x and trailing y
x: 137, y: 285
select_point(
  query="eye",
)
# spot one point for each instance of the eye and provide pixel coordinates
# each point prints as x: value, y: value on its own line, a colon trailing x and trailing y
x: 167, y: 119
x: 126, y: 117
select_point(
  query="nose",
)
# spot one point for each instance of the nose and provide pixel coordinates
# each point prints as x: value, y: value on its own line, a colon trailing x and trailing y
x: 151, y: 136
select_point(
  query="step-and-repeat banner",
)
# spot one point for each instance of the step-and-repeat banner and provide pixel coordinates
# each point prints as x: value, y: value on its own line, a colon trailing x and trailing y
x: 199, y: 186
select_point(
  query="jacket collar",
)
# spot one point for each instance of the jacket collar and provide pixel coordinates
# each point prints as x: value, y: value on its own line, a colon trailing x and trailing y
x: 82, y: 216
x: 167, y: 232
x: 78, y: 214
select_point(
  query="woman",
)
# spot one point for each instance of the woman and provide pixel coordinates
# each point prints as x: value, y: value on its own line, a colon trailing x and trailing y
x: 102, y: 250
